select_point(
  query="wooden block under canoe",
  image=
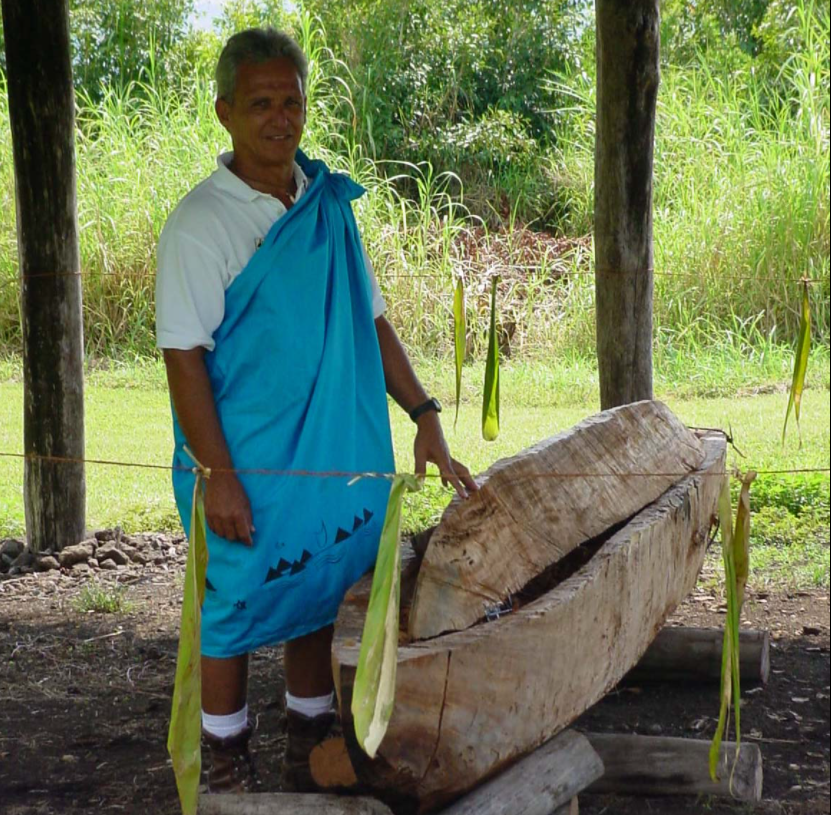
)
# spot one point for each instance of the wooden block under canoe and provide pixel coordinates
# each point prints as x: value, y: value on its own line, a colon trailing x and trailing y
x: 469, y: 703
x: 531, y: 512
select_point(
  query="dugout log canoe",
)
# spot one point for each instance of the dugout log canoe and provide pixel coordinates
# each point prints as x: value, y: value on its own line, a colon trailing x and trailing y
x: 469, y: 703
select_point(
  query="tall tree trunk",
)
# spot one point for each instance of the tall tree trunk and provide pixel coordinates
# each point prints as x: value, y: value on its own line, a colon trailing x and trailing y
x: 628, y: 38
x: 42, y: 112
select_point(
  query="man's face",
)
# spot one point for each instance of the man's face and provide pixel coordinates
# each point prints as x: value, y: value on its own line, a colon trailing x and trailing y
x: 267, y: 115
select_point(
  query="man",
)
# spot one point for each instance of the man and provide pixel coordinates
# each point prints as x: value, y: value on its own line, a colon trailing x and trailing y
x: 279, y: 358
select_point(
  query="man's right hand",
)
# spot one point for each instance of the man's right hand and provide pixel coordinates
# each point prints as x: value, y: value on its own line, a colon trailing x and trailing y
x: 227, y: 509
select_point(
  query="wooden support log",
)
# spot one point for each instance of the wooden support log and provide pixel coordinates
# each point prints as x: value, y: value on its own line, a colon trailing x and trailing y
x: 542, y: 783
x: 571, y: 808
x: 650, y: 765
x: 694, y: 655
x: 284, y: 803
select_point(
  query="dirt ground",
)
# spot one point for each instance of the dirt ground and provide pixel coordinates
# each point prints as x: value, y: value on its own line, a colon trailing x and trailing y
x: 84, y: 699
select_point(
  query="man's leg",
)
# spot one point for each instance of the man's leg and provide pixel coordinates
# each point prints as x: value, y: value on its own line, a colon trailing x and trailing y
x: 308, y: 664
x: 225, y: 724
x: 224, y: 685
x: 310, y: 713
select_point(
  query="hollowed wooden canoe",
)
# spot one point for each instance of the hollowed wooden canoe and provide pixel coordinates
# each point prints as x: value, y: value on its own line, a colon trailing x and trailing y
x: 470, y: 702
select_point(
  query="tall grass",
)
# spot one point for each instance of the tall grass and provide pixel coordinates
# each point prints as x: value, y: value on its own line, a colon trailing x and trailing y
x: 741, y: 202
x: 741, y: 193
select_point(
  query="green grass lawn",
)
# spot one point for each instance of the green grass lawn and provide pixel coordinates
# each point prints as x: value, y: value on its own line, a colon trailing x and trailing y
x: 127, y: 419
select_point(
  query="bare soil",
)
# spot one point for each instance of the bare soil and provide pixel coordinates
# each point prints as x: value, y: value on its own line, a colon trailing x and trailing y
x: 85, y: 698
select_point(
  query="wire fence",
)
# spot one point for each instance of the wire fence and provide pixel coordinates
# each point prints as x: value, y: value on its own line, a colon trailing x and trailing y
x: 360, y: 474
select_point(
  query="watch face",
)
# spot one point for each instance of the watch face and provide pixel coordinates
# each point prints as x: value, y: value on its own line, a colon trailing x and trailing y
x: 437, y: 404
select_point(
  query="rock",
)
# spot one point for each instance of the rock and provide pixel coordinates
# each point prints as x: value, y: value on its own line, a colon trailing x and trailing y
x: 93, y: 563
x: 109, y: 551
x: 139, y: 557
x: 11, y: 547
x: 78, y: 553
x: 80, y: 568
x: 106, y: 535
x: 47, y: 563
x: 25, y: 558
x: 107, y: 565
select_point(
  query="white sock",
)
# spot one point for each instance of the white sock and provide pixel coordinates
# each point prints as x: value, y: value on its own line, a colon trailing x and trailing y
x: 224, y: 726
x: 310, y: 706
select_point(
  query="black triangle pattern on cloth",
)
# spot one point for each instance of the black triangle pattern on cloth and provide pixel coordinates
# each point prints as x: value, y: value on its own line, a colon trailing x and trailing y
x: 209, y: 586
x: 282, y: 567
x: 297, y: 566
x: 367, y: 516
x: 357, y: 523
x: 306, y: 556
x: 341, y: 535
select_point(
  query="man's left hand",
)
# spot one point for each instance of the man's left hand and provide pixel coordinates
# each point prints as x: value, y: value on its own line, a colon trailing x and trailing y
x: 431, y: 446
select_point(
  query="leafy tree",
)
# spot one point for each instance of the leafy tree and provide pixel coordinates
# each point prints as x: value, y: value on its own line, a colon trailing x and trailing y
x: 119, y: 41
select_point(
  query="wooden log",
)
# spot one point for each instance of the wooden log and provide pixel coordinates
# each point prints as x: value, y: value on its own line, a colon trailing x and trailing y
x: 42, y: 114
x: 542, y: 783
x: 523, y: 519
x: 628, y: 38
x: 655, y: 765
x: 571, y: 808
x: 470, y: 703
x: 285, y: 803
x: 694, y: 655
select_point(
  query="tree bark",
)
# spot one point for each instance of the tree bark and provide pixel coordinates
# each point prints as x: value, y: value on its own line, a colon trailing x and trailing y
x: 42, y: 112
x: 628, y: 36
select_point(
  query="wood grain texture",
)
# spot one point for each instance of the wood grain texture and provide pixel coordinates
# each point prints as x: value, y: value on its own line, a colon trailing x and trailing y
x: 628, y: 73
x: 524, y: 518
x: 655, y: 765
x: 539, y: 784
x: 471, y: 702
x: 284, y: 803
x: 42, y: 117
x: 694, y: 655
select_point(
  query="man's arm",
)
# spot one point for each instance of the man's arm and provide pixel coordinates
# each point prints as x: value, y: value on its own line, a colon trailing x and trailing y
x: 404, y: 387
x: 227, y: 510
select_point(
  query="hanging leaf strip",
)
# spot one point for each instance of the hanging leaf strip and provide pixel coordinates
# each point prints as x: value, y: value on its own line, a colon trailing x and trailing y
x: 373, y: 694
x: 803, y: 349
x: 459, y: 339
x: 736, y: 553
x: 490, y: 399
x: 184, y: 736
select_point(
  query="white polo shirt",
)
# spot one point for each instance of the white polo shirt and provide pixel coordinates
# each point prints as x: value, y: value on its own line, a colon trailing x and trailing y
x: 207, y: 241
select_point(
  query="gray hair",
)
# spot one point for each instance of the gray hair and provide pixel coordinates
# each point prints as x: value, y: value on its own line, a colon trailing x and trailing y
x: 256, y: 45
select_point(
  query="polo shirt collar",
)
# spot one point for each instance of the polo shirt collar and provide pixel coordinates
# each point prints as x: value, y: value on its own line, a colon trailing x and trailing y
x: 226, y: 181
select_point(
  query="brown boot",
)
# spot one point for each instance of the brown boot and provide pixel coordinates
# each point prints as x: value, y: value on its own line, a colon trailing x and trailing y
x: 231, y: 768
x: 303, y: 735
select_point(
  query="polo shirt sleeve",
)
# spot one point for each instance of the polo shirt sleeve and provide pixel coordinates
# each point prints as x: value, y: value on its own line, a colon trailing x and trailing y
x: 190, y: 284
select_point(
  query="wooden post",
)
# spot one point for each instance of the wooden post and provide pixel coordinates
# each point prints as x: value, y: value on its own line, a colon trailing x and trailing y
x: 655, y: 765
x: 628, y: 37
x: 694, y: 655
x: 42, y: 112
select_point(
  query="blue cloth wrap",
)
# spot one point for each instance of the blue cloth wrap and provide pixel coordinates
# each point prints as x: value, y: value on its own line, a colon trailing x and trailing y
x: 299, y: 385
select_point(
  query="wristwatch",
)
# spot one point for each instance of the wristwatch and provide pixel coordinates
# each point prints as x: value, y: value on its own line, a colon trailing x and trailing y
x: 431, y: 404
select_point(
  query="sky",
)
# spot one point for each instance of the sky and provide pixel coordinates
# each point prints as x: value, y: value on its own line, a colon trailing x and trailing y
x: 206, y: 10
